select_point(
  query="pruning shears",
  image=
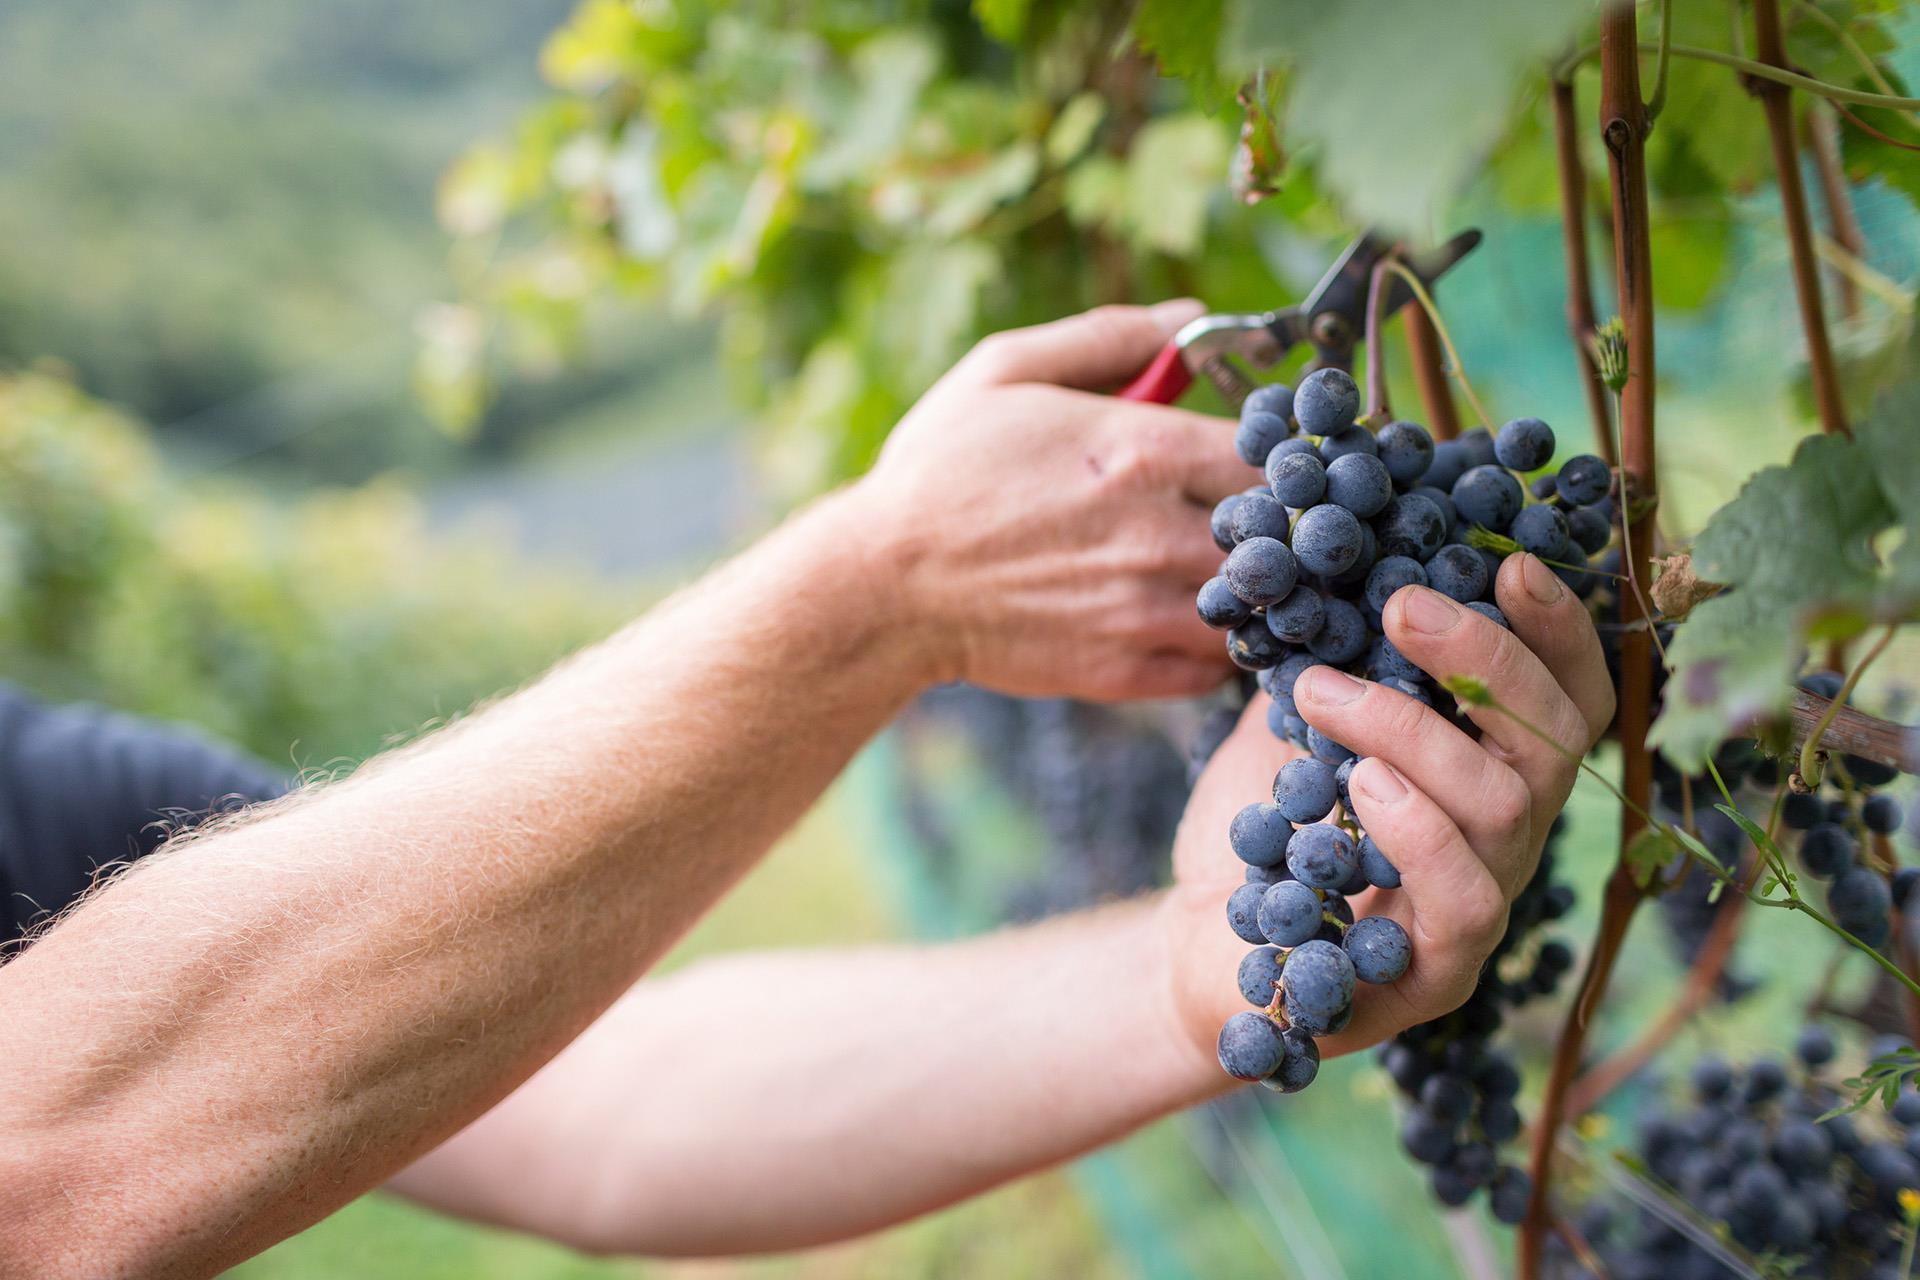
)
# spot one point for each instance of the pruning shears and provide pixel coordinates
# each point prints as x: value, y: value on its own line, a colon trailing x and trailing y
x: 1333, y: 320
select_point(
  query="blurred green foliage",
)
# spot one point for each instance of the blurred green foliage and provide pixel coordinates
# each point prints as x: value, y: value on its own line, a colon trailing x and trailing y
x: 306, y: 630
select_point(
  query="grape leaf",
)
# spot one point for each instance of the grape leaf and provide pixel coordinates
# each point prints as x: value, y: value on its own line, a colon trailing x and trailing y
x: 1183, y: 36
x: 1400, y: 98
x: 1005, y: 20
x: 1798, y: 540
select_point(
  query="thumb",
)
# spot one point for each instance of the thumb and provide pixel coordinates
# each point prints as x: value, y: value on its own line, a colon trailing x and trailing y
x: 1093, y: 351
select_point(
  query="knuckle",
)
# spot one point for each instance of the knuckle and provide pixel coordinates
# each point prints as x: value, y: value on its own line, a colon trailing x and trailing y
x: 1507, y: 801
x: 993, y: 355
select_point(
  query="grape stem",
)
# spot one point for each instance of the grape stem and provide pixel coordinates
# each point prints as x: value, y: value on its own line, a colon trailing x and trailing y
x: 1759, y: 70
x: 1377, y: 412
x: 1573, y: 242
x: 1458, y: 370
x: 1811, y: 757
x: 1658, y: 98
x: 1770, y: 45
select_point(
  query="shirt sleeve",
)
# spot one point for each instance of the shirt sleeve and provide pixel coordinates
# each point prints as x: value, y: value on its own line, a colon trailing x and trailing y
x: 83, y: 788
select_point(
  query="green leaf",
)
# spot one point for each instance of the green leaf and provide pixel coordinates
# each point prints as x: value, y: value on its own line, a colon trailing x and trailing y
x: 1794, y: 538
x: 929, y: 306
x: 970, y: 196
x: 1183, y: 36
x: 1177, y: 164
x: 1692, y: 253
x: 1651, y: 849
x: 1401, y: 98
x: 1890, y: 437
x: 1074, y: 127
x: 1004, y: 20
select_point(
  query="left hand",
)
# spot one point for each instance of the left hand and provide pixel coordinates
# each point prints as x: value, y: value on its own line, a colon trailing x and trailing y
x: 1464, y: 821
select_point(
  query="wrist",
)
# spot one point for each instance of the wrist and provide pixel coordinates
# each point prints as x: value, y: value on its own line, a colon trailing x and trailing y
x: 855, y: 561
x: 1199, y: 992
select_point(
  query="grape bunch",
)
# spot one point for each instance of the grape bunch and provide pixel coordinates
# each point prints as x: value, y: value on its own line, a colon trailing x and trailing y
x: 1460, y: 1091
x: 1754, y: 1163
x: 1843, y: 827
x: 1347, y: 517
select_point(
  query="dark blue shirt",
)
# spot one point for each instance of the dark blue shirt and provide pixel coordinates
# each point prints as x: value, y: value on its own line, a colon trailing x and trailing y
x: 83, y: 788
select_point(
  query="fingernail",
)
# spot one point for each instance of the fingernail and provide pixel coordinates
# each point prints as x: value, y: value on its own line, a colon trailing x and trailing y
x: 1541, y: 582
x: 1170, y: 315
x: 1379, y: 782
x: 1333, y: 688
x: 1428, y: 611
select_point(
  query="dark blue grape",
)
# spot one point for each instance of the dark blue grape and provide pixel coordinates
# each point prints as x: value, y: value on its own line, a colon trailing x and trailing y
x: 1458, y: 573
x: 1288, y: 915
x: 1583, y: 480
x: 1356, y: 573
x: 1322, y: 856
x: 1479, y: 446
x: 1386, y: 662
x: 1353, y: 441
x: 1250, y: 1047
x: 1450, y: 461
x: 1288, y: 671
x: 1490, y: 612
x: 1260, y: 516
x: 1318, y: 982
x: 1302, y: 1063
x: 1298, y: 480
x: 1411, y: 526
x: 1326, y: 402
x: 1442, y: 503
x: 1427, y: 1138
x: 1881, y: 814
x: 1360, y: 483
x: 1379, y: 948
x: 1802, y: 812
x: 1257, y: 434
x: 1489, y: 497
x: 1415, y: 691
x: 1448, y: 1097
x: 1262, y: 570
x: 1376, y: 867
x: 1905, y: 880
x: 1243, y: 911
x: 1259, y: 974
x: 1539, y: 529
x: 1275, y: 398
x: 1589, y: 529
x: 1814, y: 1045
x: 1827, y: 849
x: 1859, y: 900
x: 1407, y: 450
x: 1327, y: 539
x: 1525, y: 444
x: 1253, y: 647
x: 1342, y: 636
x: 1221, y: 521
x: 1305, y: 790
x: 1298, y: 618
x: 1389, y: 574
x: 1326, y: 750
x: 1219, y: 607
x: 1509, y: 1194
x: 1268, y: 875
x: 1259, y: 835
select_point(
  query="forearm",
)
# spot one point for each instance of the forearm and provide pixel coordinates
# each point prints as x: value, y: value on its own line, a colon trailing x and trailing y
x: 236, y: 1037
x: 779, y: 1100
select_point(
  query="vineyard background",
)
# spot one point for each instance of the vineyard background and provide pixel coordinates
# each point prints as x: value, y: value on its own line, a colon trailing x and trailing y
x: 340, y: 446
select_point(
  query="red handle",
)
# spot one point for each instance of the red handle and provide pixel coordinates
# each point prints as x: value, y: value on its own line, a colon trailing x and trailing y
x: 1163, y: 380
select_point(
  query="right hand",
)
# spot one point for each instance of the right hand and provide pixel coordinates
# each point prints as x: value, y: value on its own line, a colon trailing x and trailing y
x: 1046, y: 540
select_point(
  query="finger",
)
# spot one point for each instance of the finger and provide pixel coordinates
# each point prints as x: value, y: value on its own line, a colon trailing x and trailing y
x: 1484, y: 798
x: 1181, y: 540
x: 1095, y: 350
x: 1555, y: 625
x: 1192, y: 453
x: 1446, y: 640
x: 1449, y: 901
x: 1162, y: 673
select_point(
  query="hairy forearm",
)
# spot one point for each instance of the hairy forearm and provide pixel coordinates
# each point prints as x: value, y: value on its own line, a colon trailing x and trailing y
x: 779, y: 1100
x: 243, y: 1033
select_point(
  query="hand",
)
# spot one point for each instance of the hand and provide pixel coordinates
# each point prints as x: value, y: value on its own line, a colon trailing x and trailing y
x: 1048, y: 541
x: 1464, y: 821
